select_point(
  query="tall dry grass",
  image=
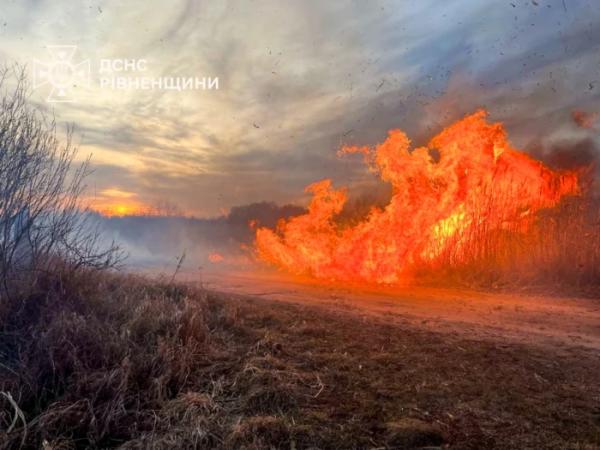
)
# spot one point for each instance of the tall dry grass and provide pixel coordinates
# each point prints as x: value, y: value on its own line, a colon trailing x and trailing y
x: 554, y: 248
x: 95, y: 360
x: 88, y: 358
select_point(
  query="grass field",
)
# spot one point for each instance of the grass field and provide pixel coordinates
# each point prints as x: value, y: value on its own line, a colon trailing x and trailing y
x: 93, y: 360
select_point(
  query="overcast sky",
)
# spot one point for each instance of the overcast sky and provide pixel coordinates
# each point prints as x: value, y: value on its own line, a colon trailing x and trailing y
x: 299, y: 78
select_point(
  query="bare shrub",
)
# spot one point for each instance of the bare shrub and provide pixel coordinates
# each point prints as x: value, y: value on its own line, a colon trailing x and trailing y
x: 42, y: 217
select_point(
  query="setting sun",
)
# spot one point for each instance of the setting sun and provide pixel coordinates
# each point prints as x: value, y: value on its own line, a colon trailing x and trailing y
x: 121, y: 210
x: 114, y: 202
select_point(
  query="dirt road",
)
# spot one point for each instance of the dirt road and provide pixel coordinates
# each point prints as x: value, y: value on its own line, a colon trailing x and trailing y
x: 554, y: 321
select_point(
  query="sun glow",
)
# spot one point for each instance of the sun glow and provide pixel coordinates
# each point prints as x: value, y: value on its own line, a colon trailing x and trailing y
x: 121, y: 209
x: 114, y: 202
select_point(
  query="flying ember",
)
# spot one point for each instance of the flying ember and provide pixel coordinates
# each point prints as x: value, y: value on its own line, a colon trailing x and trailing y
x: 467, y: 176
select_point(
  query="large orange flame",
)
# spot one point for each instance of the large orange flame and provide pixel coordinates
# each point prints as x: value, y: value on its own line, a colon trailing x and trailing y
x: 477, y: 178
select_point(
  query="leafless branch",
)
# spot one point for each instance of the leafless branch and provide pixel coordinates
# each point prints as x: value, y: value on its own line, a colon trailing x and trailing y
x: 42, y: 215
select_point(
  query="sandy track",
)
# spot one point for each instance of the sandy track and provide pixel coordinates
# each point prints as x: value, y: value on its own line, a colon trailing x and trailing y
x: 549, y: 321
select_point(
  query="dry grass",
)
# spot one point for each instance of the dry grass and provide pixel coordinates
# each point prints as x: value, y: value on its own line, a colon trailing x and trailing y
x: 92, y: 360
x: 558, y: 251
